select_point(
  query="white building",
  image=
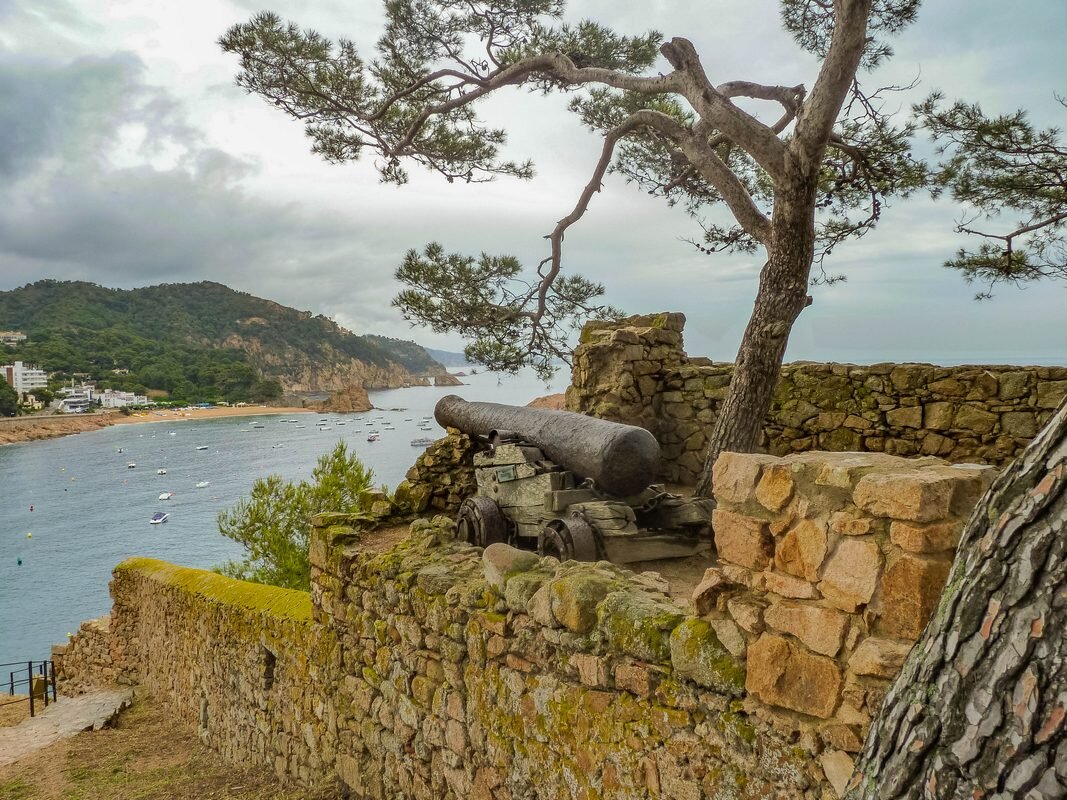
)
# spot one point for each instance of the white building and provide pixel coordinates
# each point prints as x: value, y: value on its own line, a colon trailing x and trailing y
x: 75, y: 402
x: 12, y: 338
x: 114, y: 399
x: 24, y: 379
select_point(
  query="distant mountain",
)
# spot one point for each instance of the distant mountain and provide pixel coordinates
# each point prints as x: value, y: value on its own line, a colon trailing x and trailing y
x: 200, y: 341
x: 449, y: 359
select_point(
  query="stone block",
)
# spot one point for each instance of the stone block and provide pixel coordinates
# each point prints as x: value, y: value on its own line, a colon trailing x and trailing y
x: 821, y: 629
x: 775, y: 486
x: 881, y: 658
x: 742, y: 540
x: 698, y: 655
x: 634, y: 678
x: 747, y: 613
x: 592, y: 670
x: 939, y: 416
x: 851, y: 573
x: 850, y: 523
x: 500, y: 561
x: 734, y: 475
x: 931, y: 537
x: 838, y: 767
x: 706, y: 595
x: 910, y: 591
x: 636, y: 624
x: 908, y: 417
x: 971, y: 417
x: 784, y: 674
x: 1051, y: 393
x: 1020, y: 424
x: 917, y: 495
x: 576, y: 596
x: 788, y: 586
x: 802, y: 550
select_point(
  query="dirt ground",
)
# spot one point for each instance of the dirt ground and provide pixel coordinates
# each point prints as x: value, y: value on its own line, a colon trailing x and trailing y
x: 13, y: 709
x: 144, y: 756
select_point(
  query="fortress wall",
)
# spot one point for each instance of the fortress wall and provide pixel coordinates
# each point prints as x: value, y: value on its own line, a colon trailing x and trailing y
x: 636, y: 371
x: 436, y: 670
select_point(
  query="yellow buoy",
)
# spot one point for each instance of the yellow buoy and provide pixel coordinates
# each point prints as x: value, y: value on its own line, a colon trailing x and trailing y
x: 29, y: 535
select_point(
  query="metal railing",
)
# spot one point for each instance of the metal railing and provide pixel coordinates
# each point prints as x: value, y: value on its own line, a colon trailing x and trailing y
x: 37, y: 683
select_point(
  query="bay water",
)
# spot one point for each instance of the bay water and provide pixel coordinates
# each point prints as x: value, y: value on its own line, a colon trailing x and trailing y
x: 71, y: 509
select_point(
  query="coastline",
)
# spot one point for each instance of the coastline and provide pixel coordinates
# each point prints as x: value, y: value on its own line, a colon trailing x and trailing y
x: 14, y: 430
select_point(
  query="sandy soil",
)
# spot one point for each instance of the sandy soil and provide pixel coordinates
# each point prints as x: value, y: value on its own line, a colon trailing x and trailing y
x: 176, y: 415
x: 13, y: 709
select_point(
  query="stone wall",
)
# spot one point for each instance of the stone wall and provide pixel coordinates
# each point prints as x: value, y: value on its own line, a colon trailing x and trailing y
x: 636, y: 371
x: 441, y: 477
x: 830, y: 567
x: 88, y: 659
x: 438, y: 670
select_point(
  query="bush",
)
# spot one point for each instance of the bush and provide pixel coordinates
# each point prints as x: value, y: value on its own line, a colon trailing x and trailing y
x: 274, y: 523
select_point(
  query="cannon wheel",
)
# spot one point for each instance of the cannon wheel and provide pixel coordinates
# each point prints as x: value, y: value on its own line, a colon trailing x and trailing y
x: 480, y: 522
x: 567, y: 538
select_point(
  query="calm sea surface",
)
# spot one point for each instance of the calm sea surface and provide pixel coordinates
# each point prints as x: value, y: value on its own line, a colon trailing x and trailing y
x: 89, y: 511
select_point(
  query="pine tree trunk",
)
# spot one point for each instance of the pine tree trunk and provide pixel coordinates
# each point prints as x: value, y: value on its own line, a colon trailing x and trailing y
x: 978, y: 710
x: 782, y: 295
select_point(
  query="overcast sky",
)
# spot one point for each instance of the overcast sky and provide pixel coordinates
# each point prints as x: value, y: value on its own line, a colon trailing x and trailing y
x: 128, y: 158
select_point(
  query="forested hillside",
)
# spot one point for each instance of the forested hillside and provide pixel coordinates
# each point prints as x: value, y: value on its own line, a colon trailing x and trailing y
x: 198, y: 341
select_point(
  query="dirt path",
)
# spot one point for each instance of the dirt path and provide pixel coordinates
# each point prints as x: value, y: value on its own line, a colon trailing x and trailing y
x: 68, y: 716
x: 144, y: 755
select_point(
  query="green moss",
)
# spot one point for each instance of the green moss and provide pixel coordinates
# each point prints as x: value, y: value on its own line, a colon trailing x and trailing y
x: 638, y: 625
x: 256, y: 597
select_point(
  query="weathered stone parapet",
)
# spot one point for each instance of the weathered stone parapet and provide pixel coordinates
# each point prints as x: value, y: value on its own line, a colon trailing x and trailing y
x: 442, y: 476
x: 636, y: 371
x: 831, y: 564
x: 88, y: 660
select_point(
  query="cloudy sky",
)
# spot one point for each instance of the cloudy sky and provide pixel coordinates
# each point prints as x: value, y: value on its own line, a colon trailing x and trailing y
x: 128, y: 157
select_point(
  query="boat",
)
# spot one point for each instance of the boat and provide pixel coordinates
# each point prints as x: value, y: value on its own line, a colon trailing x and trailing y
x: 276, y: 446
x: 339, y: 423
x: 131, y: 465
x: 325, y: 428
x: 166, y: 495
x: 301, y: 426
x: 373, y: 437
x: 203, y: 484
x: 201, y: 447
x: 389, y: 428
x: 422, y: 441
x: 161, y: 472
x: 407, y: 419
x: 257, y: 425
x: 158, y: 517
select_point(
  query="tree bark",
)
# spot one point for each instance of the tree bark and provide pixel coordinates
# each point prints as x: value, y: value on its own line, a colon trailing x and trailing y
x: 978, y: 710
x: 782, y: 295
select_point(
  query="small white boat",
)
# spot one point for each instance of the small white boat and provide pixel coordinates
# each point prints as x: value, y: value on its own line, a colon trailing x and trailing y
x: 161, y: 471
x: 422, y: 441
x: 173, y: 433
x: 201, y: 447
x: 166, y: 495
x: 373, y: 437
x: 276, y: 446
x: 203, y: 484
x: 131, y: 465
x: 301, y: 426
x: 339, y: 423
x: 159, y: 517
x: 389, y: 428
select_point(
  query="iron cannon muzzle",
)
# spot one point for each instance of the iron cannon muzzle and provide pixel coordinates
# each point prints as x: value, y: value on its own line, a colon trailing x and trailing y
x: 620, y: 459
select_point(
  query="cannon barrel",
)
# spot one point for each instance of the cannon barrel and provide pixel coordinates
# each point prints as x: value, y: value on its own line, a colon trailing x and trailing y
x: 621, y: 459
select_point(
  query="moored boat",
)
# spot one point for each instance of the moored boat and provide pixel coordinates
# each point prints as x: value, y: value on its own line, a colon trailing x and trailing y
x: 203, y: 484
x: 166, y: 495
x: 161, y: 471
x: 373, y: 437
x: 159, y: 517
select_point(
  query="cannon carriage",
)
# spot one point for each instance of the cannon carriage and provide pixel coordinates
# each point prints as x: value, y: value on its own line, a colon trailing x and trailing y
x: 571, y: 486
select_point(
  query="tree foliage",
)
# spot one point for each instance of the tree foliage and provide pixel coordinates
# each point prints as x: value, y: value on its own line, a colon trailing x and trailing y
x: 995, y: 165
x: 675, y: 134
x: 9, y: 400
x: 273, y: 523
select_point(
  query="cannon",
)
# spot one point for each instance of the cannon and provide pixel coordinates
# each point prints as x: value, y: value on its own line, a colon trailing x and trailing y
x: 571, y: 486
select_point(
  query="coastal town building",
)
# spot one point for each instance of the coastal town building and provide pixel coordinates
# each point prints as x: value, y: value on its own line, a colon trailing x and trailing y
x: 12, y: 338
x: 24, y: 378
x: 114, y: 399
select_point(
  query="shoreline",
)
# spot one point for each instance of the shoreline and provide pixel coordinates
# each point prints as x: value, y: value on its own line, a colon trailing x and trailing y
x: 16, y: 430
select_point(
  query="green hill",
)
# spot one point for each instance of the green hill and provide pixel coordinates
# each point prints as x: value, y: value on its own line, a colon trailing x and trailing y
x: 198, y: 341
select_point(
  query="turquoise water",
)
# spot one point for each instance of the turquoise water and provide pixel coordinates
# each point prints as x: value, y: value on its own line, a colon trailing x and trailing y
x: 89, y: 511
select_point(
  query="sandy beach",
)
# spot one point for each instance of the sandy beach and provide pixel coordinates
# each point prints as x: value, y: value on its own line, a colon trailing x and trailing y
x: 180, y: 415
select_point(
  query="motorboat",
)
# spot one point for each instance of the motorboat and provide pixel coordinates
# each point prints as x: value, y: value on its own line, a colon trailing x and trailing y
x: 301, y: 426
x: 166, y: 495
x: 389, y: 428
x: 373, y: 437
x: 201, y: 447
x: 159, y: 517
x: 203, y: 484
x: 276, y: 447
x: 422, y: 441
x: 131, y: 465
x: 161, y: 471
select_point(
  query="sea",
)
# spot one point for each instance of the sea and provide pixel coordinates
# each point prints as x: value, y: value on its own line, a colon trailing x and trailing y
x: 72, y: 508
